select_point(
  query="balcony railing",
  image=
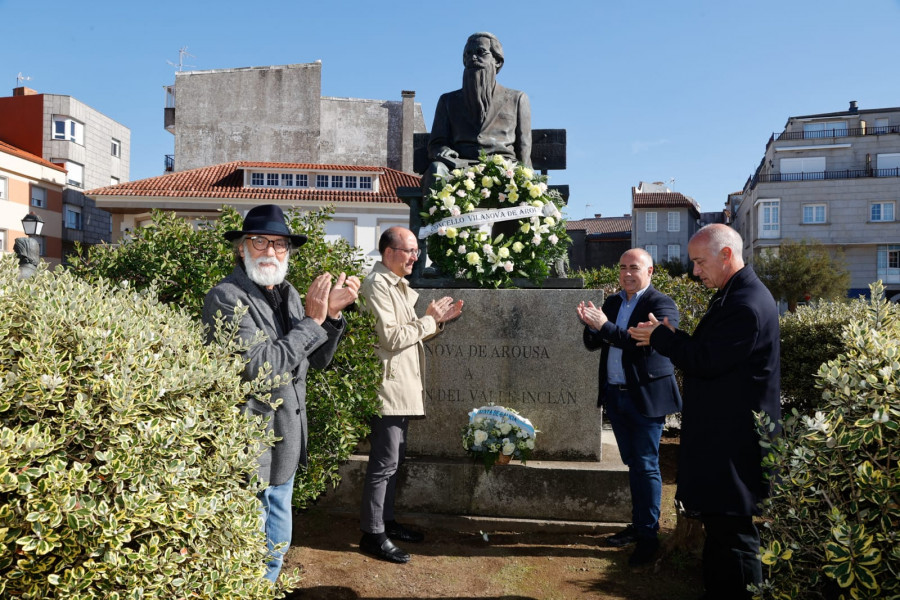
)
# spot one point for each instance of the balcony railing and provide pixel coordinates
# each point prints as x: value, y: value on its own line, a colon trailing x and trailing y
x: 823, y: 175
x: 834, y: 133
x: 170, y: 163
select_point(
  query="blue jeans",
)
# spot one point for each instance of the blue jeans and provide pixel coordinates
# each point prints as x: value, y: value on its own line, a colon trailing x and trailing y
x: 277, y: 524
x: 638, y: 439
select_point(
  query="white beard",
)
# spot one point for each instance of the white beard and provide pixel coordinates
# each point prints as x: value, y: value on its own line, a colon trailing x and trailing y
x: 265, y: 275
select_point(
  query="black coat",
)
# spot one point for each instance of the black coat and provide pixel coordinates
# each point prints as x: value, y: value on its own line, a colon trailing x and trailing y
x: 649, y: 375
x: 731, y: 368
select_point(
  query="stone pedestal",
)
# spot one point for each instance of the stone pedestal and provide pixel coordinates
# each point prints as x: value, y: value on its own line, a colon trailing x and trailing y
x: 521, y: 349
x: 516, y: 348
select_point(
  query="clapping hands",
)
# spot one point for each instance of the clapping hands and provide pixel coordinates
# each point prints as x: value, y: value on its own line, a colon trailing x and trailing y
x: 324, y: 300
x: 445, y: 309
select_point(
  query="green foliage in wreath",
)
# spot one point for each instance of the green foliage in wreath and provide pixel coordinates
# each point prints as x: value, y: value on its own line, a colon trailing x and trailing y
x: 473, y: 254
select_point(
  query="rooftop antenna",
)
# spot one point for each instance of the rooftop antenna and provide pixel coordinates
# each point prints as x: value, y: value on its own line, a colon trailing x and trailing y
x: 672, y: 183
x: 20, y: 78
x: 587, y: 210
x: 182, y: 52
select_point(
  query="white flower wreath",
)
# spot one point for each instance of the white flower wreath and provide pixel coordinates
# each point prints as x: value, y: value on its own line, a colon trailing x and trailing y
x: 465, y: 252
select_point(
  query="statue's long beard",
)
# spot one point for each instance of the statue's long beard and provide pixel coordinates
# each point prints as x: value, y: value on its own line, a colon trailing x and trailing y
x: 478, y: 90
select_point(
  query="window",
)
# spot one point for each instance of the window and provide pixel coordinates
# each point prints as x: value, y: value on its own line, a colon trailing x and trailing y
x: 350, y: 181
x: 881, y: 211
x: 256, y: 179
x: 650, y: 222
x: 674, y: 252
x: 302, y: 180
x: 769, y: 219
x: 813, y: 213
x: 651, y: 250
x: 3, y: 238
x: 66, y: 128
x: 4, y: 188
x: 802, y: 169
x: 38, y: 197
x: 115, y: 147
x: 674, y: 220
x: 287, y: 179
x: 321, y: 181
x: 337, y: 181
x: 340, y: 230
x: 365, y: 182
x: 73, y: 217
x: 821, y: 130
x: 888, y: 165
x: 113, y: 180
x: 889, y: 263
x: 272, y: 179
x: 76, y: 174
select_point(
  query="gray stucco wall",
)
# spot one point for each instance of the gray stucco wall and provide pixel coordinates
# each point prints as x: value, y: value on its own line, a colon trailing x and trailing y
x: 257, y: 113
x: 364, y: 132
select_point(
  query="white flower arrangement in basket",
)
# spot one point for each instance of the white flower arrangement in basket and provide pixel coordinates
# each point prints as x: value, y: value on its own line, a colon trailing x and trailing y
x: 496, y: 434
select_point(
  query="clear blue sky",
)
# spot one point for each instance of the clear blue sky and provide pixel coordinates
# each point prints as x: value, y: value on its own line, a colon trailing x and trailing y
x: 649, y: 90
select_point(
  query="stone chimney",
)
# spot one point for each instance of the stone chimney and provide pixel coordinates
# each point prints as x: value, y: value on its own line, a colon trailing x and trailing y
x: 407, y: 128
x: 24, y: 91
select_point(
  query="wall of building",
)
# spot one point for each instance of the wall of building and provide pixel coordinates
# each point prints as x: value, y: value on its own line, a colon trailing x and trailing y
x: 364, y: 132
x: 20, y: 122
x: 257, y: 113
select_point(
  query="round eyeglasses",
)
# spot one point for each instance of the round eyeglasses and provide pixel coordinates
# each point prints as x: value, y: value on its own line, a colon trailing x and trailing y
x: 262, y: 244
x: 411, y: 251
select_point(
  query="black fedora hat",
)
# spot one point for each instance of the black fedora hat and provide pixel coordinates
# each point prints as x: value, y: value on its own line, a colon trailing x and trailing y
x: 266, y: 219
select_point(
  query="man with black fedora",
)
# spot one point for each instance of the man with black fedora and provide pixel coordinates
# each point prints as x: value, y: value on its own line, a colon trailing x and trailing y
x: 296, y: 337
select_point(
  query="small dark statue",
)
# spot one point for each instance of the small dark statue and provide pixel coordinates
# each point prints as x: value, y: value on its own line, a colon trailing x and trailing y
x: 29, y: 253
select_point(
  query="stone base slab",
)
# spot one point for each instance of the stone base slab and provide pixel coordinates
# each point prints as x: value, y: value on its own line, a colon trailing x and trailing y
x: 556, y: 490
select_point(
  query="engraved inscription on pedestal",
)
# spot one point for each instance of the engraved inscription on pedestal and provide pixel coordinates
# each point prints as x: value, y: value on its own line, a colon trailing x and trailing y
x: 517, y: 348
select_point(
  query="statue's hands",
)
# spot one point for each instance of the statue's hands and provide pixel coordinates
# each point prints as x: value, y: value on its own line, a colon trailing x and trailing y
x: 449, y: 157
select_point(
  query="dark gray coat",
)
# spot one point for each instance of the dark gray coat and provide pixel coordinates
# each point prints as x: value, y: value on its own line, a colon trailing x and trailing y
x: 306, y: 344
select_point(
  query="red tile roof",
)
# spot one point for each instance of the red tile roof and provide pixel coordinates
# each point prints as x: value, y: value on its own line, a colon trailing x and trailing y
x: 10, y: 149
x: 606, y: 226
x: 226, y: 181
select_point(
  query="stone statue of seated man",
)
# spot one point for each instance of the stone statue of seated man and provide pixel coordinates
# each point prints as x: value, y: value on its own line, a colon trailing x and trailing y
x: 482, y: 116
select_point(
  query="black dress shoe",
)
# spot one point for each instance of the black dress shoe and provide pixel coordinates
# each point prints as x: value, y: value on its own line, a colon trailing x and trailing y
x: 623, y: 538
x: 644, y: 553
x: 396, y: 531
x: 386, y: 550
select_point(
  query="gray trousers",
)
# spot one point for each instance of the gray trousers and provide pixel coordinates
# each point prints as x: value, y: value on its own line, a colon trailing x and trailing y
x: 388, y: 449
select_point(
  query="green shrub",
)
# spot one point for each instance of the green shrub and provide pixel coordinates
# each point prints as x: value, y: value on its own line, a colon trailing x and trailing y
x: 125, y: 469
x: 810, y: 337
x: 185, y: 262
x: 834, y: 518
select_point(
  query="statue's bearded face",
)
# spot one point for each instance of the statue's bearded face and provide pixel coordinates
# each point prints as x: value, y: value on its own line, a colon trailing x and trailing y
x: 480, y: 76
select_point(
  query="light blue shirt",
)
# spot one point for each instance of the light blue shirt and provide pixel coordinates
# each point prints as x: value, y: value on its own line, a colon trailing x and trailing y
x: 615, y: 374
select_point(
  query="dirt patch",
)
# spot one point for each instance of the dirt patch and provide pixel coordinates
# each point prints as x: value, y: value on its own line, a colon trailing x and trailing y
x: 508, y: 565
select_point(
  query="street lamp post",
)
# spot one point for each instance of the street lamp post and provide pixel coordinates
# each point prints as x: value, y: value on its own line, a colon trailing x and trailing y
x: 27, y: 248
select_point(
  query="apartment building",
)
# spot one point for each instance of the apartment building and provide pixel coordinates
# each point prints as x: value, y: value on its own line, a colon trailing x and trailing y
x: 663, y: 221
x: 832, y: 178
x: 93, y: 149
x: 30, y: 184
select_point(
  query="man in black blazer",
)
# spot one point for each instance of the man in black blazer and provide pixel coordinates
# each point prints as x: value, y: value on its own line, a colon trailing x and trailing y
x: 731, y: 369
x: 637, y: 386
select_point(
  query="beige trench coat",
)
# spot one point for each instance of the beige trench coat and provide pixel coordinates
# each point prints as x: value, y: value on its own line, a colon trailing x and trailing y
x: 400, y: 335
